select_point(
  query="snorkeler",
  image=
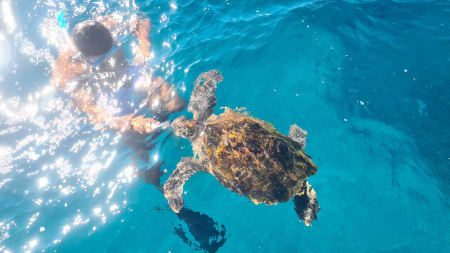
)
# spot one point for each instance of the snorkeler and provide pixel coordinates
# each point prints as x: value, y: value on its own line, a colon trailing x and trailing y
x: 93, y: 70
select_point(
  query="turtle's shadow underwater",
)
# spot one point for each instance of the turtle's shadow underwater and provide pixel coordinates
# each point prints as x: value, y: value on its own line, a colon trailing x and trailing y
x: 200, y: 232
x: 205, y: 231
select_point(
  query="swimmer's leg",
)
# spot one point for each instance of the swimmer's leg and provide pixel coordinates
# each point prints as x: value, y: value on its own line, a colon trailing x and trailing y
x: 176, y: 104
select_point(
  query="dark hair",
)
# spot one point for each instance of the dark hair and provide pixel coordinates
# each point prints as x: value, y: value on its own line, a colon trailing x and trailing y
x: 92, y: 38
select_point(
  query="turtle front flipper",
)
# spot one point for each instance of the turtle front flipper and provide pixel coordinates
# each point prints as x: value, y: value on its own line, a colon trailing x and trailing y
x: 299, y: 135
x: 173, y: 188
x: 306, y: 205
x: 203, y: 97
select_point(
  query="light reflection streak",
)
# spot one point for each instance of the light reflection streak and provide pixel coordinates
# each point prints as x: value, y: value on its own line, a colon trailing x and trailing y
x: 38, y: 202
x: 8, y: 17
x: 97, y: 211
x: 114, y: 208
x: 6, y: 159
x: 30, y: 245
x: 43, y: 182
x: 5, y: 54
x: 126, y: 176
x: 166, y: 44
x: 36, y: 56
x: 78, y: 220
x: 66, y: 228
x: 173, y: 6
x: 113, y: 187
x: 4, y: 230
x: 33, y: 218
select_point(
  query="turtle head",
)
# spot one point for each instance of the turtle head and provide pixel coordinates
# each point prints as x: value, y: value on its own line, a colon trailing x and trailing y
x: 185, y: 127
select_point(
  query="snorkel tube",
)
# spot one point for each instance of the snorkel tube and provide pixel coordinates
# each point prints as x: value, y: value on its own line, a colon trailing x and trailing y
x: 63, y: 26
x: 61, y: 21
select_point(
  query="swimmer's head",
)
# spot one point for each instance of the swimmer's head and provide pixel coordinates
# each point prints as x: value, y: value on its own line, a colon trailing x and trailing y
x: 92, y: 38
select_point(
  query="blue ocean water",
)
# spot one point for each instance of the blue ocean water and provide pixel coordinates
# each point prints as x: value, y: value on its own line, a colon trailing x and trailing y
x: 368, y: 80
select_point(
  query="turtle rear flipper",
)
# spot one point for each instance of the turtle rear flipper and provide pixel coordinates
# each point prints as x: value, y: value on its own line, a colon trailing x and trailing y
x: 306, y: 205
x: 299, y: 135
x: 173, y: 188
x: 203, y: 97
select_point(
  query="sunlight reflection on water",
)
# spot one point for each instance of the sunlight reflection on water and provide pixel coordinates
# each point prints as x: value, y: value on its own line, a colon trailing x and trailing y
x: 48, y: 152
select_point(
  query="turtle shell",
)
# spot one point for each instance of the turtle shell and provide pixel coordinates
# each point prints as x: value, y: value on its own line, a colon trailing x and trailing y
x: 250, y: 157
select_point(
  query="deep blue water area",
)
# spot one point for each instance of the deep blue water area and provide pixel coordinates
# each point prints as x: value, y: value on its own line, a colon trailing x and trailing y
x: 368, y: 80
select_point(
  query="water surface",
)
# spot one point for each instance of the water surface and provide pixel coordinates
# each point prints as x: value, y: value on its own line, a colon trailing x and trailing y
x: 368, y: 80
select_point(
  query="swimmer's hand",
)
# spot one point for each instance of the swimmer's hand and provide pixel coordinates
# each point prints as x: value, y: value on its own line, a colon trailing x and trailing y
x: 144, y: 125
x: 137, y: 124
x: 140, y: 26
x: 99, y: 116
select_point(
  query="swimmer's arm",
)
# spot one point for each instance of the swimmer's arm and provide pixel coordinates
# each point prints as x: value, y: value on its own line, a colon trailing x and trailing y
x: 142, y: 32
x: 98, y: 115
x: 141, y: 28
x: 65, y: 69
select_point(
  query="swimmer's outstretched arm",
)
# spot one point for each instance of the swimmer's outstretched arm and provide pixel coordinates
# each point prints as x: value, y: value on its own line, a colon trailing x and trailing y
x: 142, y: 33
x: 65, y: 70
x: 98, y: 115
x: 141, y: 28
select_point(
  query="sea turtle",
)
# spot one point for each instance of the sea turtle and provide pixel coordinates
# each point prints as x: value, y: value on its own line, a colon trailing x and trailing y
x: 245, y: 154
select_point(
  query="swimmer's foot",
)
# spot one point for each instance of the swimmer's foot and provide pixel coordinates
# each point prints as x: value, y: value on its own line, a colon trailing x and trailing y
x: 161, y: 108
x: 172, y: 101
x: 162, y: 112
x: 164, y: 100
x: 177, y: 104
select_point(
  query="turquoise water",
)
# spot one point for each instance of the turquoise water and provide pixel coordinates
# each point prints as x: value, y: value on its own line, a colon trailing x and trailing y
x: 368, y: 80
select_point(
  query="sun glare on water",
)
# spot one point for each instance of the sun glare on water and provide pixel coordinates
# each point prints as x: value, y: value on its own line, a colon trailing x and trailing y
x: 52, y: 157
